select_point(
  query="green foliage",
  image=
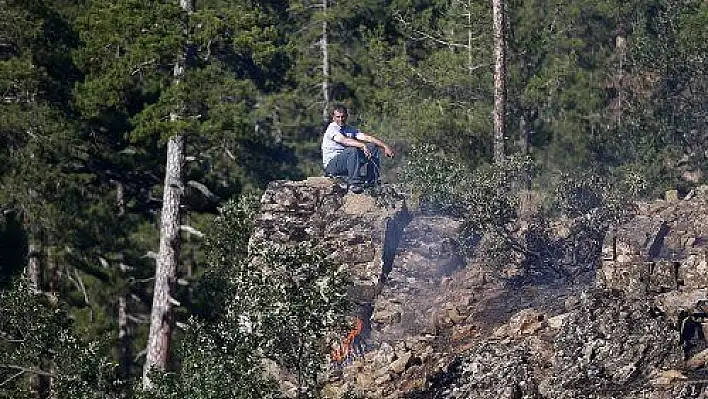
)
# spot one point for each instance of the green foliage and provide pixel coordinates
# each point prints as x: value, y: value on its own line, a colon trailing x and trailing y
x: 87, y: 90
x: 438, y: 179
x: 434, y: 76
x: 274, y: 303
x: 491, y: 197
x: 307, y: 299
x: 227, y: 253
x: 663, y: 127
x: 39, y: 150
x: 142, y: 52
x: 217, y: 362
x: 37, y: 343
x: 491, y: 200
x: 219, y: 357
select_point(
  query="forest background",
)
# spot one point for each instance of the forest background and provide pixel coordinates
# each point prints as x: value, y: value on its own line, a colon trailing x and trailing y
x: 90, y: 98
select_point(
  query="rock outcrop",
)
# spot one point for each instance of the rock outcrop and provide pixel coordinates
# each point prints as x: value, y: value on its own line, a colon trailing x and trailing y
x: 603, y: 347
x: 662, y: 255
x: 357, y: 230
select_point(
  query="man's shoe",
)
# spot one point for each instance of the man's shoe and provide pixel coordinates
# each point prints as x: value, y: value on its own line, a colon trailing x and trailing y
x: 356, y: 189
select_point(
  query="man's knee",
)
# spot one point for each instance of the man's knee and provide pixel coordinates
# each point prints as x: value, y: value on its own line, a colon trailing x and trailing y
x: 350, y: 151
x: 373, y: 149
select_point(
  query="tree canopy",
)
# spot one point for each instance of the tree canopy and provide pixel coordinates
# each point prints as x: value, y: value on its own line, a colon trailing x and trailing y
x: 88, y: 100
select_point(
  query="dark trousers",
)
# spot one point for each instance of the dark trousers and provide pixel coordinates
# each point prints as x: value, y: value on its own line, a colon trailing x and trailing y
x: 351, y: 163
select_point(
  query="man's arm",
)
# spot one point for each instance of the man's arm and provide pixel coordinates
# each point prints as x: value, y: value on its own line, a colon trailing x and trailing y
x: 350, y: 142
x: 371, y: 139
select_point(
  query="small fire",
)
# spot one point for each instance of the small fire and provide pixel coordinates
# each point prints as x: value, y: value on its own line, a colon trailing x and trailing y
x: 349, y: 346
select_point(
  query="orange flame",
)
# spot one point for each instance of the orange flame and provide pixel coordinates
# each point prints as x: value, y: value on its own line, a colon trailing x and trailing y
x: 345, y: 348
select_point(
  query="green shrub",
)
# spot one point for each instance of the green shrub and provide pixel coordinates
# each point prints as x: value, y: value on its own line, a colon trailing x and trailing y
x: 273, y: 304
x: 437, y: 179
x: 40, y: 352
x: 488, y: 200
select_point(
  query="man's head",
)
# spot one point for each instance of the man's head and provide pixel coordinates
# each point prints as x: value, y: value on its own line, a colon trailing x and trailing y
x: 340, y: 115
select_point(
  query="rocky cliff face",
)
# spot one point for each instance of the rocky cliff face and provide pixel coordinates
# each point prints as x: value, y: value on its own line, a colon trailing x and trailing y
x: 355, y: 230
x: 438, y: 327
x: 662, y: 255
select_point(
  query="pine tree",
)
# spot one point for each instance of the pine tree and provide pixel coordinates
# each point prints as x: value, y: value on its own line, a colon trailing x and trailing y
x: 130, y: 90
x: 500, y: 77
x: 39, y: 146
x: 265, y: 305
x: 443, y: 76
x: 659, y: 128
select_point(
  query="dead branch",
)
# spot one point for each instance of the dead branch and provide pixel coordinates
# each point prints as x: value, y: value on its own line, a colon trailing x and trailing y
x: 204, y: 190
x: 12, y: 377
x: 424, y: 35
x: 27, y: 370
x: 191, y: 230
x: 78, y: 282
x: 138, y: 320
x: 141, y: 65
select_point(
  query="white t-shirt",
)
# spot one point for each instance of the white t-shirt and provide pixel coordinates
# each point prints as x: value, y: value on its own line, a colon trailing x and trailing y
x: 331, y: 148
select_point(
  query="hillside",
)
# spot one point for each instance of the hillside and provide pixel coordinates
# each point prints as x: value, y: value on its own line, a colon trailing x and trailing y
x: 437, y: 325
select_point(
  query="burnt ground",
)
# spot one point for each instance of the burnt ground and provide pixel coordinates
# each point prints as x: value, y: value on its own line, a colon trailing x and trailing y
x: 434, y: 302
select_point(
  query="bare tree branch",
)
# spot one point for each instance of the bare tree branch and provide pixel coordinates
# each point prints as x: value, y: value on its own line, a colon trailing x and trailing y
x: 424, y: 35
x: 27, y: 370
x: 191, y: 230
x: 204, y: 190
x: 139, y: 355
x: 12, y: 377
x: 173, y: 301
x: 141, y: 65
x: 78, y: 282
x: 138, y: 320
x: 229, y: 153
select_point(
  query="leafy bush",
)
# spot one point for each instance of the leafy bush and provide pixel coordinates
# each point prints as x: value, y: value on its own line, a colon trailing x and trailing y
x: 563, y: 235
x: 270, y: 304
x: 437, y: 178
x: 40, y: 352
x: 307, y: 299
x: 491, y: 196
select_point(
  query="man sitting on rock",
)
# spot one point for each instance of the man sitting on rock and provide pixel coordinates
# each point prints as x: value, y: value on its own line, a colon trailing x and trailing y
x: 346, y: 150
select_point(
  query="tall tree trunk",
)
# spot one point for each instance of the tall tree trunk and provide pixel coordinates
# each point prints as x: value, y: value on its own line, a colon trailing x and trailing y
x: 526, y: 207
x: 33, y: 269
x: 120, y: 198
x: 525, y: 136
x: 34, y: 266
x: 125, y: 353
x: 41, y: 384
x: 162, y: 315
x: 125, y: 357
x: 469, y: 37
x: 499, y: 112
x: 621, y: 51
x: 324, y: 43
